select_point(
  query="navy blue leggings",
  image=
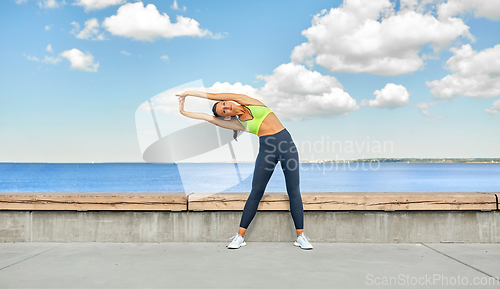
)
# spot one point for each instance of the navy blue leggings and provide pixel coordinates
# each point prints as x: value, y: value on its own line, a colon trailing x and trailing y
x: 273, y: 148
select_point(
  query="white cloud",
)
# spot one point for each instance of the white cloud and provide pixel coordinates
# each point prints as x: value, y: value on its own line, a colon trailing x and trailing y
x: 90, y: 31
x: 52, y: 60
x: 21, y: 1
x: 125, y: 53
x: 175, y: 6
x: 424, y: 108
x: 475, y: 74
x: 217, y: 35
x: 47, y: 59
x: 225, y: 87
x: 480, y: 8
x: 31, y: 58
x: 47, y: 27
x: 49, y: 48
x: 44, y: 4
x: 146, y: 23
x: 391, y: 96
x: 295, y: 78
x: 165, y: 58
x: 495, y: 109
x: 296, y: 93
x: 80, y: 60
x: 97, y: 4
x: 370, y: 36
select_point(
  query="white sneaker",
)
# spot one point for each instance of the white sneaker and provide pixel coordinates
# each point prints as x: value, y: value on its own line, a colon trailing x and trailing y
x: 302, y: 242
x: 237, y: 242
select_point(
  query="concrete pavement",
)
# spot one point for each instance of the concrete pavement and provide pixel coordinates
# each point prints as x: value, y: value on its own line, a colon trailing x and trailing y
x: 257, y: 265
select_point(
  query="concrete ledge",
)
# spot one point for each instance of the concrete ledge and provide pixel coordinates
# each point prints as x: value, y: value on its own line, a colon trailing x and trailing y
x: 329, y: 217
x: 267, y: 226
x: 236, y: 201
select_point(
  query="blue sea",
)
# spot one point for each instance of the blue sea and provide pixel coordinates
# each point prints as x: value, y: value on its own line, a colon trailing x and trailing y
x: 221, y: 177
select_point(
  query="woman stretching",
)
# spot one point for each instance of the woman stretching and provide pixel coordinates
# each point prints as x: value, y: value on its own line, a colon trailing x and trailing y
x: 275, y: 144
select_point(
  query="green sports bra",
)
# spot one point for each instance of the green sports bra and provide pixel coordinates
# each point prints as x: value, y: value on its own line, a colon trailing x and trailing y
x: 259, y: 113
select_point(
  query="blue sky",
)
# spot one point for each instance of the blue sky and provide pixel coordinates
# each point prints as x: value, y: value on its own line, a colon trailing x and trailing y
x: 423, y: 76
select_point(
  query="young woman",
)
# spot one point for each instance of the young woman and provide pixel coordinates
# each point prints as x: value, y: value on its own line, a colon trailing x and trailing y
x: 275, y: 144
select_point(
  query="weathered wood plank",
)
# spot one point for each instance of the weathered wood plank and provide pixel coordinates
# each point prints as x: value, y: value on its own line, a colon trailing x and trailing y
x: 236, y: 202
x: 400, y: 201
x: 94, y: 201
x: 350, y: 201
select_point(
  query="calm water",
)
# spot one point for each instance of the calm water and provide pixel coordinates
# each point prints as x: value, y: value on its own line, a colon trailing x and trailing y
x: 314, y: 177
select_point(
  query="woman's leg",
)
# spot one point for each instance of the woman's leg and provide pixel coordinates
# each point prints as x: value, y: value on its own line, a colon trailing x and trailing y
x: 264, y: 168
x: 289, y: 158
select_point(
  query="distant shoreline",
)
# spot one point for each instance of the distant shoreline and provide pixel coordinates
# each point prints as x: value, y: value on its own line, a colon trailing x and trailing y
x: 415, y: 160
x: 381, y: 160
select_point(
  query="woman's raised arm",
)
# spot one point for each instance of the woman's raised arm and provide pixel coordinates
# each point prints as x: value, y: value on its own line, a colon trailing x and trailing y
x: 239, y: 98
x: 195, y: 115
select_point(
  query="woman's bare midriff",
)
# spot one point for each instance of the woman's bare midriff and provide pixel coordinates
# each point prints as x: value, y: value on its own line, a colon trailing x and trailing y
x: 270, y: 125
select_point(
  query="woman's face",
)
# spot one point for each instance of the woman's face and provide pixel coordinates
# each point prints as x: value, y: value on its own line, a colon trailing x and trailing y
x: 226, y: 108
